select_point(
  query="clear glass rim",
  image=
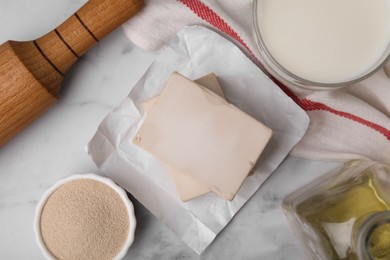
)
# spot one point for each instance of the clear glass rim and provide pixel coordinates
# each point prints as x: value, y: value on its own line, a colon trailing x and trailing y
x: 365, y: 231
x: 279, y: 71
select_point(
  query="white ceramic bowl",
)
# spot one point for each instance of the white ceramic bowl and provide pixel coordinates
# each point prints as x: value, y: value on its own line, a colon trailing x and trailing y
x: 90, y: 176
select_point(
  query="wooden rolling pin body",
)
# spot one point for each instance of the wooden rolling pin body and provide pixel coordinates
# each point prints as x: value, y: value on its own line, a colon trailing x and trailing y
x: 31, y: 72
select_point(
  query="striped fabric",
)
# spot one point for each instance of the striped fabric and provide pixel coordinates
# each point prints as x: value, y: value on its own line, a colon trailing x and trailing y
x: 349, y: 123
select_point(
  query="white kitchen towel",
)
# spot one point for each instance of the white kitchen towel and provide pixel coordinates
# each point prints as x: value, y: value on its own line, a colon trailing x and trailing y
x: 348, y: 123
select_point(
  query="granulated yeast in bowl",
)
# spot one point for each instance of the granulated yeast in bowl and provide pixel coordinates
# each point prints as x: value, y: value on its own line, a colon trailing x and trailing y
x: 84, y: 219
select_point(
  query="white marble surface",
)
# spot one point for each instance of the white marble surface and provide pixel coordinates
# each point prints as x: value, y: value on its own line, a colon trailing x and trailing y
x: 53, y: 148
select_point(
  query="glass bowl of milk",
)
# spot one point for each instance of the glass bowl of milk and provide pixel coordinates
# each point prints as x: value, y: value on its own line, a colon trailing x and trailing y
x: 322, y: 44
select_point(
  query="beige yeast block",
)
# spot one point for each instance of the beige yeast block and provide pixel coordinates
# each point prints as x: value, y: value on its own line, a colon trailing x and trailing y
x: 201, y: 135
x: 186, y: 187
x: 210, y: 81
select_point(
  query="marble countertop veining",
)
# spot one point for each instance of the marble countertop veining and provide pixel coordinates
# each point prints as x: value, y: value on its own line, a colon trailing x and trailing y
x: 53, y: 147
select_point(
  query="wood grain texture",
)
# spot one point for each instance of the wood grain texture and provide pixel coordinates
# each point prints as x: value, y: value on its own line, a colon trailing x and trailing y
x: 22, y: 103
x: 31, y: 59
x: 31, y: 73
x: 74, y: 33
x: 103, y: 17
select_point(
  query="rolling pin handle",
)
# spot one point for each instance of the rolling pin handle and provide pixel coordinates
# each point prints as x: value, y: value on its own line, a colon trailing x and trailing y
x: 31, y: 73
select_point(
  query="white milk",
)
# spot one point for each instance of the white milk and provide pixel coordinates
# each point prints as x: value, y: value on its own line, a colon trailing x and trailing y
x: 326, y: 41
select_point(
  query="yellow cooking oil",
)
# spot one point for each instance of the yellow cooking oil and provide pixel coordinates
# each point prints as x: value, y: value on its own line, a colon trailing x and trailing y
x: 379, y: 242
x: 336, y: 214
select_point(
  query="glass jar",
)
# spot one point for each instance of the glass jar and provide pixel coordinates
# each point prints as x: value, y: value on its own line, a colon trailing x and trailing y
x: 372, y: 241
x: 344, y: 214
x: 321, y: 41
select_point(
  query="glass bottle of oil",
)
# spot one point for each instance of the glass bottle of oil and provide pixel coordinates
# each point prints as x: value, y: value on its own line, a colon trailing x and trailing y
x: 336, y: 216
x: 372, y: 241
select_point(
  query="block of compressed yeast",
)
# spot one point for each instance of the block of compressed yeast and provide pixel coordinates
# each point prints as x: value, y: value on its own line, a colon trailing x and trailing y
x: 209, y: 81
x: 203, y: 136
x: 187, y: 187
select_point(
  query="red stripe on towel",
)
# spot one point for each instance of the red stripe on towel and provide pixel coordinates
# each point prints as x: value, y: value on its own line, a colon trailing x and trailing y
x: 207, y: 14
x: 309, y: 105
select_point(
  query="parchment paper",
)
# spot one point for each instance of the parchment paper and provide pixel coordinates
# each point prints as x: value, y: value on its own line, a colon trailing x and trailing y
x: 195, y: 52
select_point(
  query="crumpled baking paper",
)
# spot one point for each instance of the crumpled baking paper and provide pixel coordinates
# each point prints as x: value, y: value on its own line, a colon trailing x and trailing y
x: 195, y: 52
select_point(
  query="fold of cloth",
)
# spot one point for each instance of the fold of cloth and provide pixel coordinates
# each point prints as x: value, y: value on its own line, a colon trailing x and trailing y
x: 348, y: 123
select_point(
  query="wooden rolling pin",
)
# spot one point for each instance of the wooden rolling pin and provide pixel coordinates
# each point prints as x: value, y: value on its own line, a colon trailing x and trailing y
x: 31, y: 72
